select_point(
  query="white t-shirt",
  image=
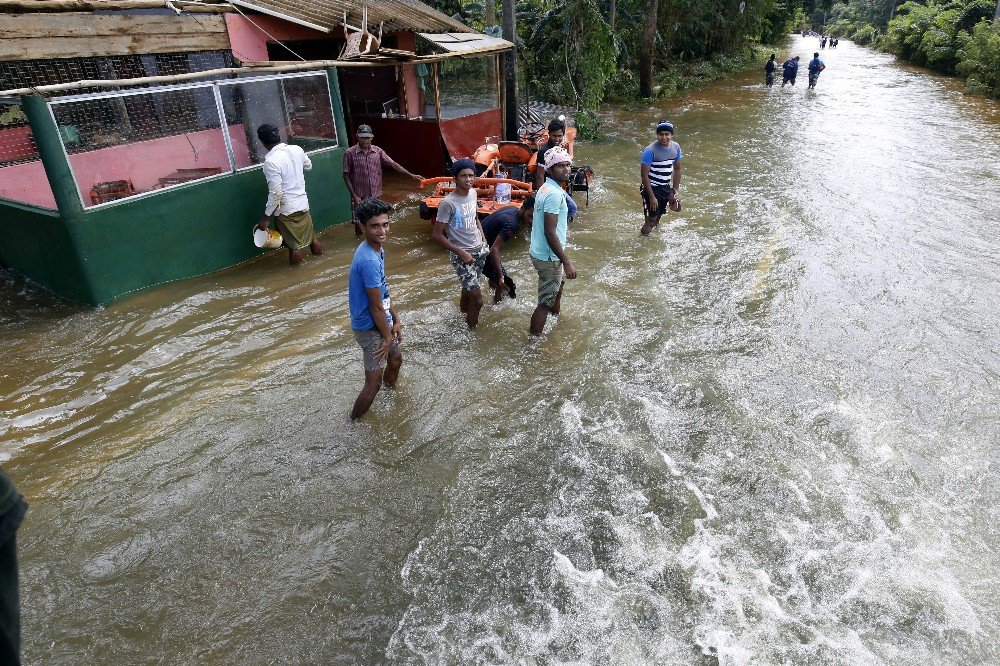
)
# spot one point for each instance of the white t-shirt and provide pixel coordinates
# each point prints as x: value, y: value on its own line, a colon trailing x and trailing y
x: 284, y: 168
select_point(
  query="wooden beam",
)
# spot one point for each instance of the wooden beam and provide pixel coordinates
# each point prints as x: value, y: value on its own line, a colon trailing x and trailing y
x: 38, y: 26
x: 75, y: 35
x: 249, y: 68
x: 27, y: 6
x: 85, y: 47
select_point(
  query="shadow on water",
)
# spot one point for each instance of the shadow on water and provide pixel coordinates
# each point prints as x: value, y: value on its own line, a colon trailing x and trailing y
x: 764, y: 434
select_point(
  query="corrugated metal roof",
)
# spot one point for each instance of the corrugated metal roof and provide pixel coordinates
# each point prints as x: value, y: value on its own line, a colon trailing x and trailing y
x: 410, y: 15
x: 458, y: 42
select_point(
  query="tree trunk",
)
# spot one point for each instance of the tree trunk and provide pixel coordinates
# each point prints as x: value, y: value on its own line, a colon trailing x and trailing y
x: 490, y: 16
x: 510, y: 71
x: 613, y: 12
x: 997, y: 15
x: 648, y: 45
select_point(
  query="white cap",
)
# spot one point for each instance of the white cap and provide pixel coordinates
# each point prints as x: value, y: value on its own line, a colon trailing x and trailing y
x: 557, y: 155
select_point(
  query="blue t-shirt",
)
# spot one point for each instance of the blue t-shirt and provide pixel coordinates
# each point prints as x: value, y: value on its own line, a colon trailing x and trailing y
x: 814, y: 65
x: 549, y: 199
x: 791, y: 67
x: 367, y: 271
x: 660, y: 160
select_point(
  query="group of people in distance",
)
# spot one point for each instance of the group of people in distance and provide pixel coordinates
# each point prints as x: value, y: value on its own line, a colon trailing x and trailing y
x: 474, y: 246
x: 790, y: 69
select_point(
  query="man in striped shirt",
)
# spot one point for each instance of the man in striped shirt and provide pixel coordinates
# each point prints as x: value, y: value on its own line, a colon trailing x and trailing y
x: 363, y: 164
x: 661, y: 176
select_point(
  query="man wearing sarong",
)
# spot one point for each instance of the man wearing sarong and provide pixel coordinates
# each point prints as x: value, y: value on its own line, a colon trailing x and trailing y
x: 284, y: 168
x: 363, y: 164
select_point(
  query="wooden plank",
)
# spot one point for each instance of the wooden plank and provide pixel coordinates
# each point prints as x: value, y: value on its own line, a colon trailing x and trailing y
x: 20, y: 6
x: 81, y: 47
x: 28, y: 26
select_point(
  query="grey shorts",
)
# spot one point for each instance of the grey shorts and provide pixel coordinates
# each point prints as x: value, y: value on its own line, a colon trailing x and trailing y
x: 549, y: 280
x: 469, y: 274
x: 371, y: 342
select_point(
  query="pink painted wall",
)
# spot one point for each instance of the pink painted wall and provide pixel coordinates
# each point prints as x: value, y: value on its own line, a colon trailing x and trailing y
x: 249, y: 44
x: 26, y: 183
x: 143, y: 163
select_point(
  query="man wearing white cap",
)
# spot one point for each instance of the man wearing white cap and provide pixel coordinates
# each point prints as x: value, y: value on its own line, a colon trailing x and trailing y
x: 548, y: 236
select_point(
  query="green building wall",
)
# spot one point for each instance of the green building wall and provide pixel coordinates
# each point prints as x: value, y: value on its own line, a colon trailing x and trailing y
x: 100, y: 254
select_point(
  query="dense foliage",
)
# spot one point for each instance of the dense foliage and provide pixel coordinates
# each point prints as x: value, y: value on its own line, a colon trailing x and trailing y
x: 959, y: 37
x: 580, y: 52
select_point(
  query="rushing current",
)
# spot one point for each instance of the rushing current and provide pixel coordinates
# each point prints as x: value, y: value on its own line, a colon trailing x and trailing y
x: 766, y: 434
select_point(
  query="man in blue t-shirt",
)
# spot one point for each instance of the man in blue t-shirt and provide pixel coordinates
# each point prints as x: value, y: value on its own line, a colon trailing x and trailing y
x: 815, y: 67
x: 660, y: 176
x: 500, y: 227
x: 548, y: 238
x: 790, y: 70
x: 374, y: 320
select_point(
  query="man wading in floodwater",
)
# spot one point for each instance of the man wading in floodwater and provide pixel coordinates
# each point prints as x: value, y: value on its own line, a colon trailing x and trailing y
x: 457, y: 230
x: 769, y: 71
x: 660, y: 176
x: 284, y: 168
x: 790, y: 69
x: 548, y: 237
x: 374, y: 320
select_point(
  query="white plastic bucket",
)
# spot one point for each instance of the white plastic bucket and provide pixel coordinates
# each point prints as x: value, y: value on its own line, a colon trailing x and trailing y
x: 266, y: 238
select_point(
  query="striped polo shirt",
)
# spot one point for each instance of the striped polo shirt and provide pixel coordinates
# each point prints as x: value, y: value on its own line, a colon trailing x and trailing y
x: 660, y: 161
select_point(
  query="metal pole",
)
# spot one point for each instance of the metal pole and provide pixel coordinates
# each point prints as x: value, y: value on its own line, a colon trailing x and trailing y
x: 437, y: 94
x: 510, y: 71
x: 224, y: 126
x: 68, y: 197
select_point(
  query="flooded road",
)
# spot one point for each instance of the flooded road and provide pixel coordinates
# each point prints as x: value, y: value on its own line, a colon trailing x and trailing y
x: 766, y: 434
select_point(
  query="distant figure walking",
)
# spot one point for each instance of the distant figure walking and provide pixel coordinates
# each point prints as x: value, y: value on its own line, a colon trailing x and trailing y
x: 659, y: 176
x: 374, y: 319
x: 815, y: 67
x: 822, y: 43
x: 457, y: 229
x: 790, y: 69
x: 769, y: 68
x: 287, y: 203
x: 548, y: 238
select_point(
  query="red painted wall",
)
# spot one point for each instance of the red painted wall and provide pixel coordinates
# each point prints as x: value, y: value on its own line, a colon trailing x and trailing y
x: 15, y: 143
x: 416, y: 144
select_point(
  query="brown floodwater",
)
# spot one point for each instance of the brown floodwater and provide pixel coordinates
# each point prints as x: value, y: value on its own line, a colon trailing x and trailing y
x: 766, y: 434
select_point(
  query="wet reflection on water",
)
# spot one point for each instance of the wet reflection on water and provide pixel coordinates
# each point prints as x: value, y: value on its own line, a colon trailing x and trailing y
x: 765, y: 434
